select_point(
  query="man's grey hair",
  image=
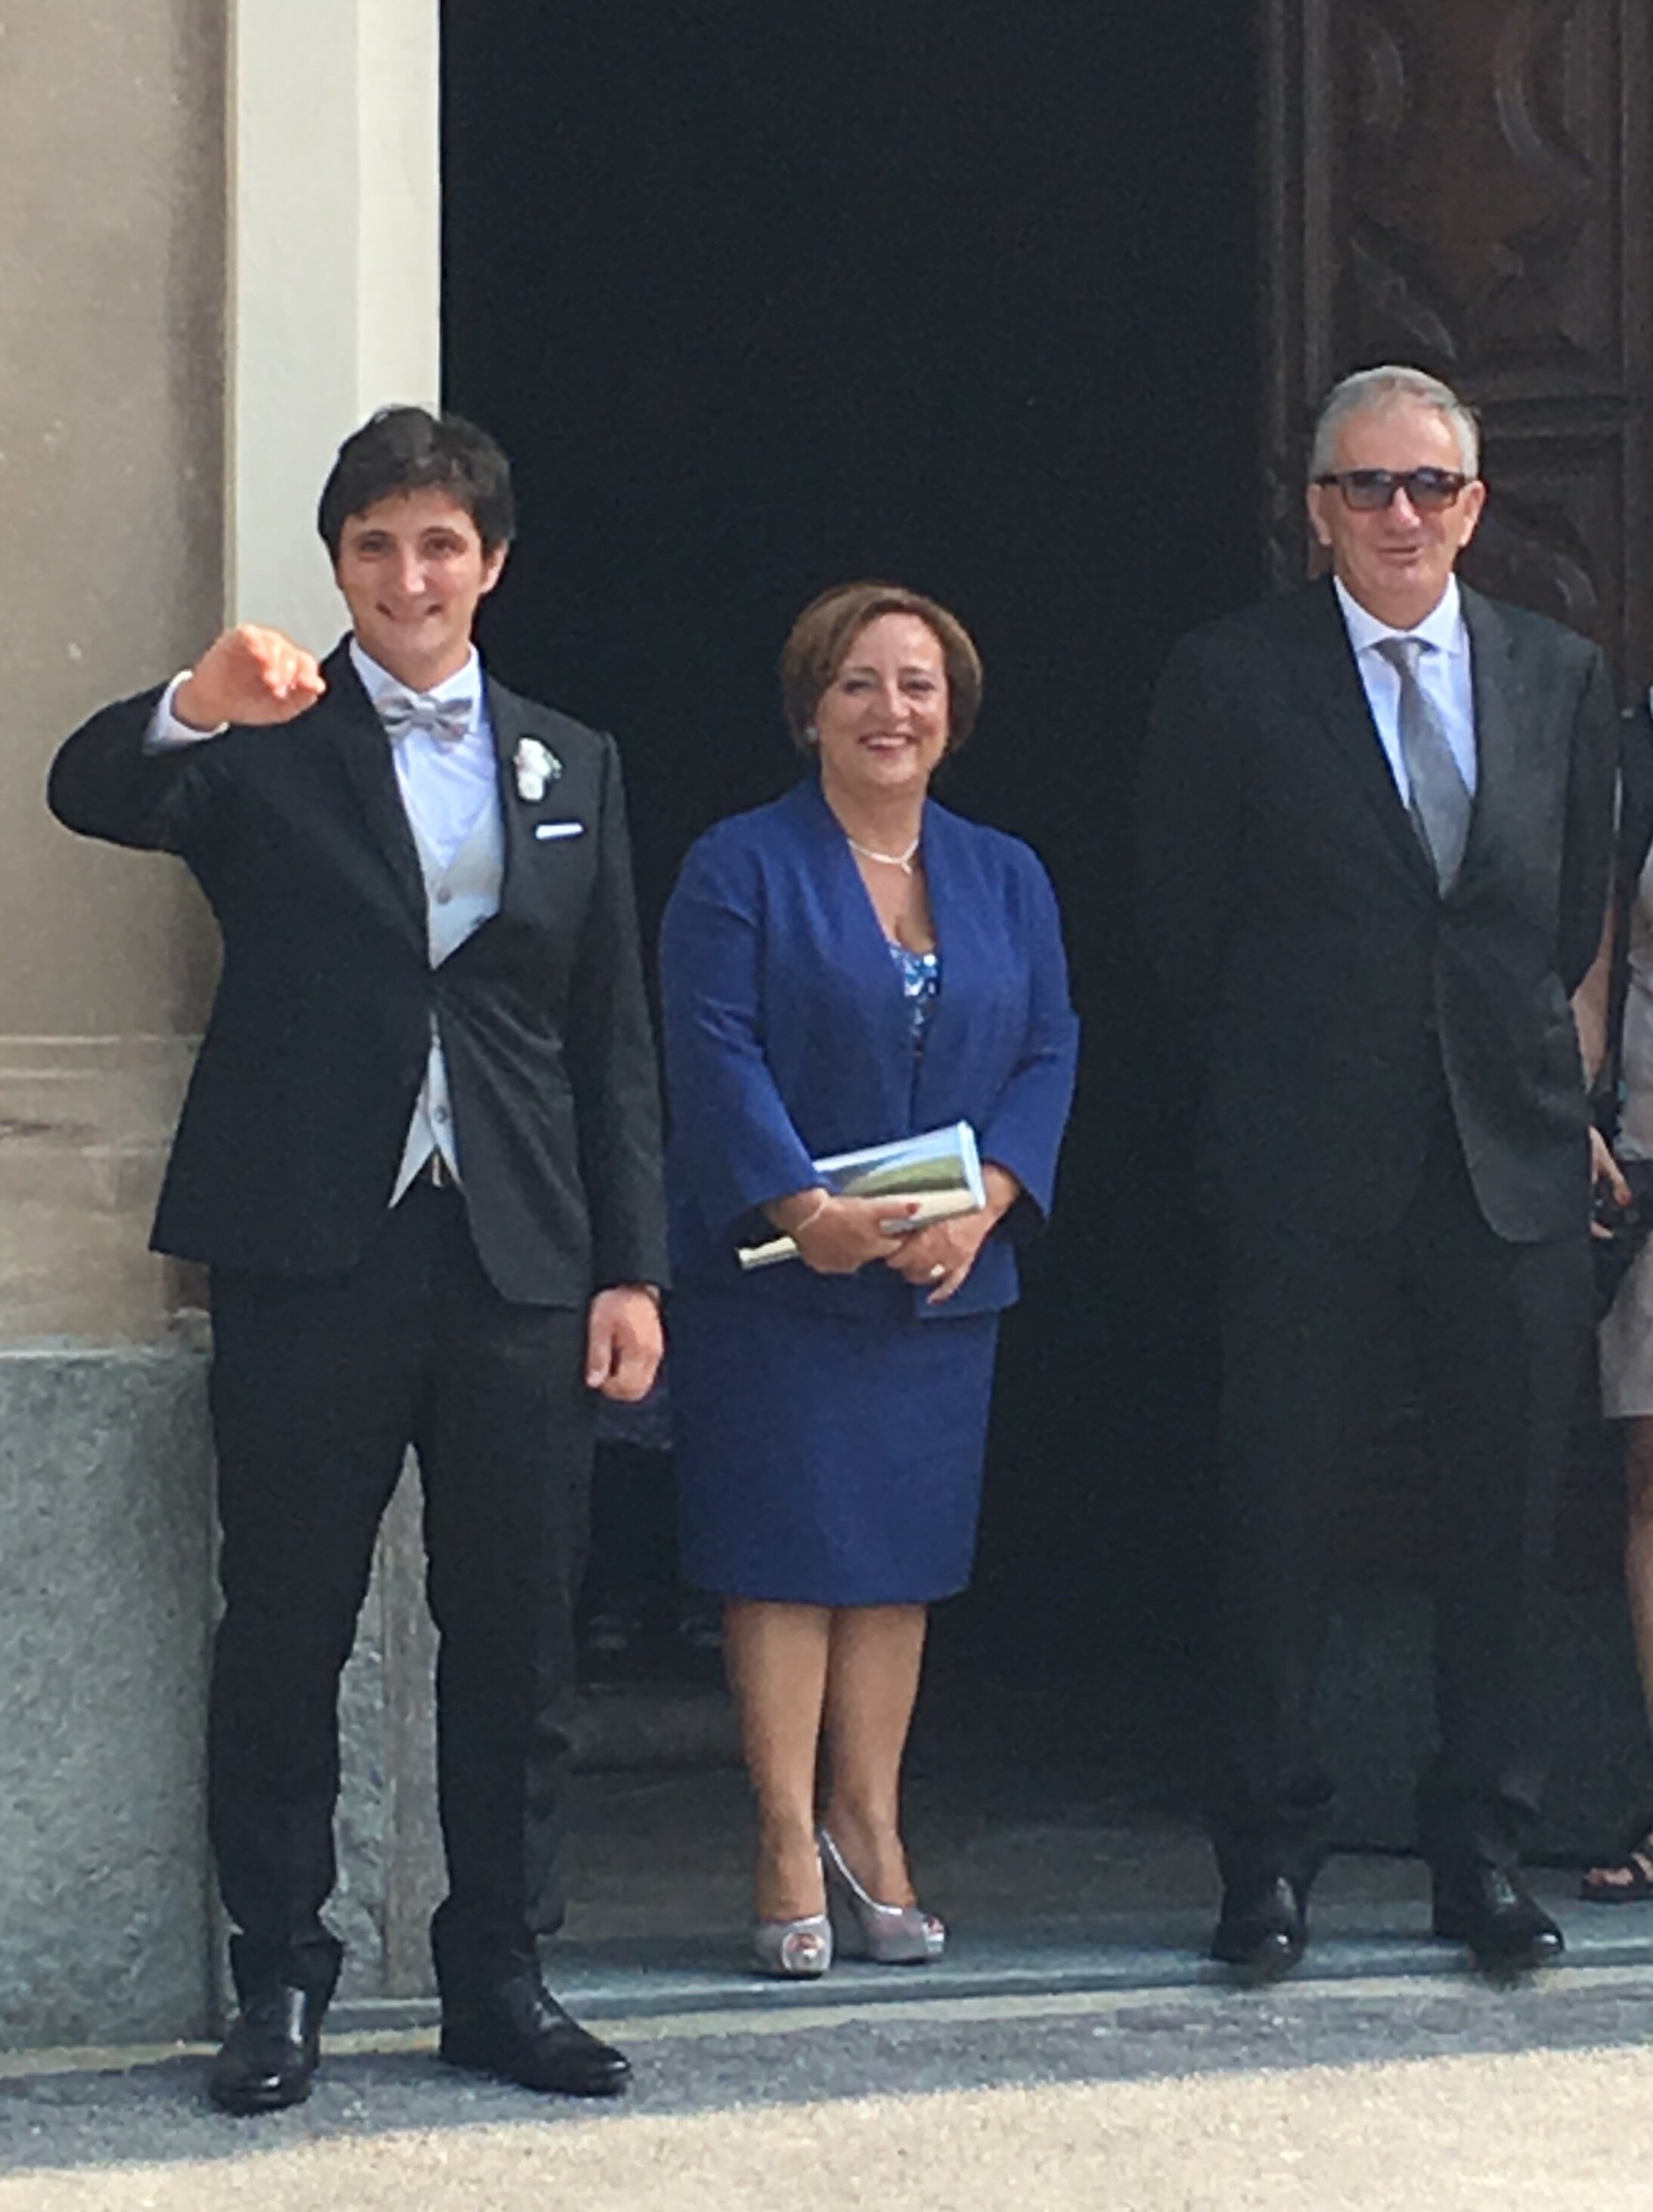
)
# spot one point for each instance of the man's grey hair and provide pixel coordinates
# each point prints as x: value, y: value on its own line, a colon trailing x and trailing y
x: 1370, y: 388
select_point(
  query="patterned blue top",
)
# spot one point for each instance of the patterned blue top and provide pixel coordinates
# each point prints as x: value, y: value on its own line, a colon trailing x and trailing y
x: 920, y: 981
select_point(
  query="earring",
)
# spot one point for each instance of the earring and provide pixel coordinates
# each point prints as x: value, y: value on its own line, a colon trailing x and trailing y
x: 812, y: 735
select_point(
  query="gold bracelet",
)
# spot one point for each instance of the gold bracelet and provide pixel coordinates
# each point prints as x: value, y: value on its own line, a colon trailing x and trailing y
x: 814, y: 1214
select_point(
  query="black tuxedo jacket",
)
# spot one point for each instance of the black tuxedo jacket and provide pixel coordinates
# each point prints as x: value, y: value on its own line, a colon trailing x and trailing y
x: 1320, y: 983
x: 297, y: 1114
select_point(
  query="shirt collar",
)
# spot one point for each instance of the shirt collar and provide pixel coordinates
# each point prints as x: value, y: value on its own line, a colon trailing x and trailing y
x: 464, y: 681
x: 1442, y: 627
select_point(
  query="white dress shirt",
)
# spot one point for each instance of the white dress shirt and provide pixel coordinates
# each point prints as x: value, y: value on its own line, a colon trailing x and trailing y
x: 1445, y: 675
x: 446, y: 788
x: 445, y: 785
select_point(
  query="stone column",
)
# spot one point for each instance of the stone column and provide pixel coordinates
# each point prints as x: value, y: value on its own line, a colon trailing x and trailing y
x: 335, y: 272
x: 218, y: 250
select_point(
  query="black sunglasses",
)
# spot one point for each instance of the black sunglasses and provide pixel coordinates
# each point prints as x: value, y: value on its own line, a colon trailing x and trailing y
x: 1367, y: 489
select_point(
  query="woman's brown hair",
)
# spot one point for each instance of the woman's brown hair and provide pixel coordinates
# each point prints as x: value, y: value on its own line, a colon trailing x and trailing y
x: 823, y: 635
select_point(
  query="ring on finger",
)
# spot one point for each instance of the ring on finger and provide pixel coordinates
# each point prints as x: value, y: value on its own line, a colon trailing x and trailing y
x: 937, y: 1271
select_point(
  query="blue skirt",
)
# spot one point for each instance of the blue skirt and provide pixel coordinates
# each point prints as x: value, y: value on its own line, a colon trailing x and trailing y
x: 824, y: 1461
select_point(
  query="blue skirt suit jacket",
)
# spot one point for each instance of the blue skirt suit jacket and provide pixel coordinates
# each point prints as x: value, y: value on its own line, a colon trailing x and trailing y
x: 831, y: 1430
x: 788, y: 1037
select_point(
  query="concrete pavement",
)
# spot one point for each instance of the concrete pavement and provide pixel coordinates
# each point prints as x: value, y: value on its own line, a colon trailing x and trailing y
x: 1387, y: 2094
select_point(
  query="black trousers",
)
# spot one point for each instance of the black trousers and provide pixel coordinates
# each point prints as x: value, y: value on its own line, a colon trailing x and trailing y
x: 319, y: 1387
x: 1499, y: 1331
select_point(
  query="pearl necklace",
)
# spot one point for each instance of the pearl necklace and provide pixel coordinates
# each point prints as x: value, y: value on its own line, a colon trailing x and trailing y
x: 901, y: 861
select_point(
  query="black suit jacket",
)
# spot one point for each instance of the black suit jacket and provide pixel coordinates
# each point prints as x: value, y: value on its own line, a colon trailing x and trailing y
x: 1320, y: 981
x: 297, y: 1114
x: 1636, y: 805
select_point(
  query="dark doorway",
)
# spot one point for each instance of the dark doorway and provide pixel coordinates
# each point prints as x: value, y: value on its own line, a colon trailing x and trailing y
x: 764, y: 297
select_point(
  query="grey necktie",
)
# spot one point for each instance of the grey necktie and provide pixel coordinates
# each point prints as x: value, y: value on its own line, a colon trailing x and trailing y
x: 1441, y: 802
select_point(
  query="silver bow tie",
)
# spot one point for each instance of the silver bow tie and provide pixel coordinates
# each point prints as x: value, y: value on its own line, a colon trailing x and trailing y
x: 448, y: 720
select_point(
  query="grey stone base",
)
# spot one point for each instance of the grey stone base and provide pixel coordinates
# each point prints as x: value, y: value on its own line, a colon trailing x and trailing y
x: 105, y: 1514
x: 109, y: 1929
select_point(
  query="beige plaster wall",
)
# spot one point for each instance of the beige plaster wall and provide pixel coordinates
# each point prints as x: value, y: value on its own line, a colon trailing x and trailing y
x: 111, y: 444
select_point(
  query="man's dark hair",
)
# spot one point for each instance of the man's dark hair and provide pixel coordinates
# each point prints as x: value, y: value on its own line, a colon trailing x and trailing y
x: 403, y: 449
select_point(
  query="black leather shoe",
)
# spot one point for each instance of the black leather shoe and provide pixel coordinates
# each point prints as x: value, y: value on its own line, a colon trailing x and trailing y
x: 517, y: 2028
x: 1490, y: 1910
x: 271, y: 2054
x: 1262, y: 1930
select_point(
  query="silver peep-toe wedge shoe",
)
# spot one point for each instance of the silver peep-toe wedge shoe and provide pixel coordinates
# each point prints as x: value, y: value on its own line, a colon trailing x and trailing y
x: 888, y: 1934
x: 796, y: 1950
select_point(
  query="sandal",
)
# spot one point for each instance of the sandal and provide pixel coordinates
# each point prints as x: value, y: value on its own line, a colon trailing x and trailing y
x: 1627, y: 1880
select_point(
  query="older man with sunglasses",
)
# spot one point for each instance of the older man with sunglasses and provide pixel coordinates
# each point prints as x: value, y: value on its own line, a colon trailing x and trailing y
x: 1375, y: 820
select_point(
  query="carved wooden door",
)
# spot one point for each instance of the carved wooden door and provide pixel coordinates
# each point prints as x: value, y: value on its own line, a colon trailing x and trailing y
x: 1468, y: 185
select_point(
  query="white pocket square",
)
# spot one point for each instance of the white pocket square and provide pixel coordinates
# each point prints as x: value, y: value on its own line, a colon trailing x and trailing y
x: 559, y: 829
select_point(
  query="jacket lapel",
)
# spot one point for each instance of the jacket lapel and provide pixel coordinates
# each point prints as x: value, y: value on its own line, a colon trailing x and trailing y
x: 848, y: 919
x: 963, y: 930
x: 1636, y: 810
x: 1497, y: 751
x: 509, y: 723
x: 527, y: 886
x: 359, y: 739
x: 1336, y: 697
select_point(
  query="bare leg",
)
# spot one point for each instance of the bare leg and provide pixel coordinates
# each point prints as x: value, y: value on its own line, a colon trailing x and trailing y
x: 872, y: 1675
x: 1635, y: 1871
x: 776, y: 1656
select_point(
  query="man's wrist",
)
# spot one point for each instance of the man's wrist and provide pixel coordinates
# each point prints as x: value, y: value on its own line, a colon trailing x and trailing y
x: 172, y: 731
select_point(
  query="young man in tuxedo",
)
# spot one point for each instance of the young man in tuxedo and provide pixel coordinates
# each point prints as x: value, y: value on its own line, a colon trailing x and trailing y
x: 1376, y: 821
x: 420, y: 1155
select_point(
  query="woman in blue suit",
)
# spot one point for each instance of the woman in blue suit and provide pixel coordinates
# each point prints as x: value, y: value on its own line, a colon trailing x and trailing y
x: 851, y: 964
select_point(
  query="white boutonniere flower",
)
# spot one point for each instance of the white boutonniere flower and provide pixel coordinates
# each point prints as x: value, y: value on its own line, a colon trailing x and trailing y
x: 536, y: 765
